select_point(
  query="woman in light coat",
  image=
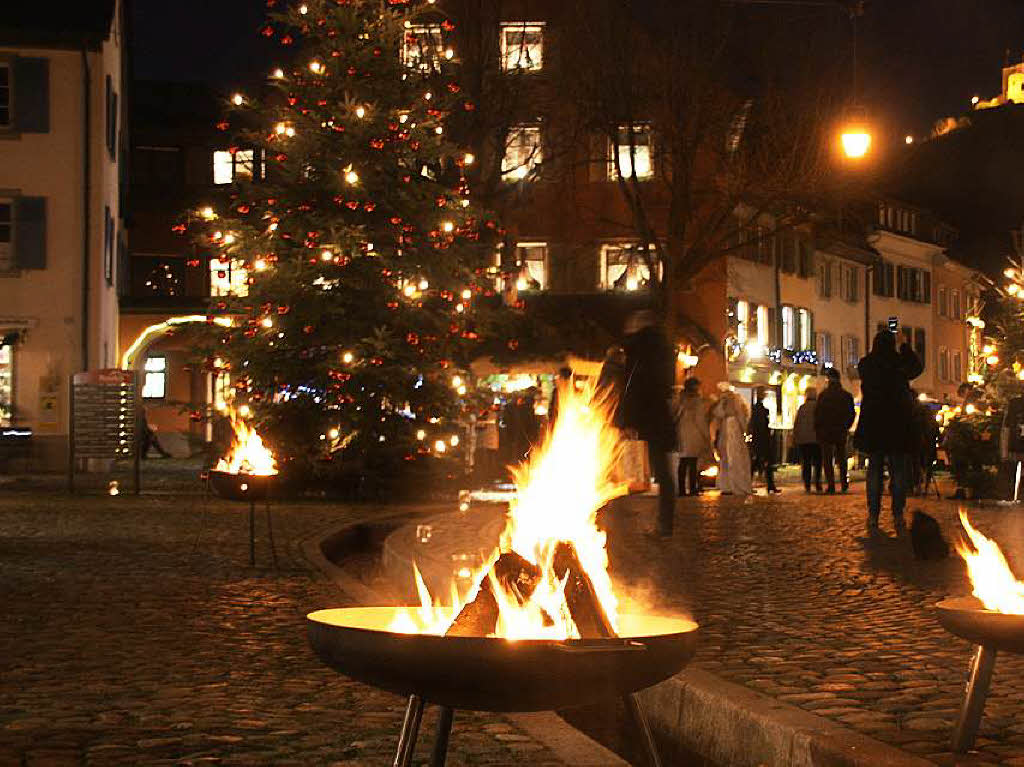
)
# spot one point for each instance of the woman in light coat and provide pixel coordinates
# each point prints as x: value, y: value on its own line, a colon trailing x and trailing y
x: 806, y: 439
x: 693, y: 432
x: 732, y: 415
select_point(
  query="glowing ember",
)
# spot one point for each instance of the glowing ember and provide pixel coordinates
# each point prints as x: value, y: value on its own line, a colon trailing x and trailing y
x: 559, y: 491
x: 994, y: 583
x: 248, y: 455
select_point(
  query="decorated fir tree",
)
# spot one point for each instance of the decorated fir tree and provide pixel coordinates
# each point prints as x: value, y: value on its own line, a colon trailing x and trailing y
x: 365, y: 261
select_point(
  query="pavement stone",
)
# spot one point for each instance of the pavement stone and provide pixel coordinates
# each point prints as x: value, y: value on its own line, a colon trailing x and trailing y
x: 796, y: 601
x: 135, y: 632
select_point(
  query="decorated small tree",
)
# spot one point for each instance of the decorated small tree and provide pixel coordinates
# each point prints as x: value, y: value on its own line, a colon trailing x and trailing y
x: 365, y: 262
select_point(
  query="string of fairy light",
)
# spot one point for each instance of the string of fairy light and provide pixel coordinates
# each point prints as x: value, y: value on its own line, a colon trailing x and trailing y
x: 254, y: 245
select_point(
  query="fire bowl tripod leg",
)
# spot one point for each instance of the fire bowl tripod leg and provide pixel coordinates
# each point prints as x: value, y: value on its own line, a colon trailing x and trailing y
x: 636, y: 713
x: 444, y: 731
x: 974, y: 701
x: 410, y: 729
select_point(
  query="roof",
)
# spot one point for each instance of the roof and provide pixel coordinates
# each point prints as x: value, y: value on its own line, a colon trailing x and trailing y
x: 84, y: 22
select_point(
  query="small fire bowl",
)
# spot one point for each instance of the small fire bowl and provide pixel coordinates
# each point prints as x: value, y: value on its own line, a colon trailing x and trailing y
x: 966, y: 617
x: 241, y: 487
x: 491, y: 674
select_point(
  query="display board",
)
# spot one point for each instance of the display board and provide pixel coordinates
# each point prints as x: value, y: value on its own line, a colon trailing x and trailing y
x: 104, y: 417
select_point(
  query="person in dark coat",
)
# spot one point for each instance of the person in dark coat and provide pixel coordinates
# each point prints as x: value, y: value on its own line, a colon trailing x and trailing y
x: 885, y: 429
x: 833, y: 418
x: 650, y: 371
x: 761, y: 441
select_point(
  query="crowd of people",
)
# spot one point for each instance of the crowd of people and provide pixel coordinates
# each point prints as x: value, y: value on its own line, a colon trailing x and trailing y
x: 895, y: 431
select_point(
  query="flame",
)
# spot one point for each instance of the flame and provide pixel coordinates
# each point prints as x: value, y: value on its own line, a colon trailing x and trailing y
x: 248, y: 455
x: 994, y: 582
x: 559, y: 491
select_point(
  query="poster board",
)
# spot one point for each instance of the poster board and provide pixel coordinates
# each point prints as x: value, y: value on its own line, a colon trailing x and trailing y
x: 104, y: 406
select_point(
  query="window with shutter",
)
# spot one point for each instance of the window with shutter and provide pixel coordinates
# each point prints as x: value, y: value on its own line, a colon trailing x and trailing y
x: 5, y: 95
x: 30, y: 232
x: 30, y: 102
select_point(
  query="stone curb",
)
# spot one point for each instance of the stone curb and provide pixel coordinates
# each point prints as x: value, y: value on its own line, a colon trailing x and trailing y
x: 734, y: 725
x: 564, y: 741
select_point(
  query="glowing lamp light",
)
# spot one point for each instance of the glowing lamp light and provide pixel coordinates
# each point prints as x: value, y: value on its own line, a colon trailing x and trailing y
x: 448, y: 226
x: 449, y: 53
x: 970, y: 409
x: 333, y: 433
x: 409, y: 291
x: 238, y: 99
x: 352, y: 177
x: 1013, y: 288
x: 267, y: 322
x: 112, y: 488
x: 316, y: 67
x: 454, y: 441
x: 360, y: 112
x: 347, y: 357
x: 1011, y: 273
x: 421, y: 435
x: 424, y: 284
x: 456, y: 381
x: 259, y: 265
x: 277, y: 74
x: 245, y: 411
x: 992, y: 359
x: 440, y: 446
x: 754, y: 351
x: 467, y: 294
x: 909, y: 139
x: 856, y: 142
x: 207, y: 214
x: 303, y: 9
x: 988, y: 349
x: 975, y: 100
x: 469, y: 158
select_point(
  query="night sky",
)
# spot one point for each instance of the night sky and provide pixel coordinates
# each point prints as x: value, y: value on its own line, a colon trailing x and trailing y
x: 919, y: 59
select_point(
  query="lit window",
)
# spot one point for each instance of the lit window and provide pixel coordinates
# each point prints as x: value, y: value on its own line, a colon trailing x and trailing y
x: 6, y: 235
x: 742, y: 321
x: 228, y: 278
x: 155, y: 384
x: 231, y: 166
x: 5, y: 95
x: 522, y: 153
x: 532, y: 263
x: 763, y: 327
x: 423, y: 47
x: 626, y: 268
x: 6, y: 384
x: 788, y: 327
x: 641, y: 150
x: 522, y: 45
x: 805, y: 329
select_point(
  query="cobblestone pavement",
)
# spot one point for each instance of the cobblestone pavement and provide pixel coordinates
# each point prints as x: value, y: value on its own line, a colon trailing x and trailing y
x: 795, y: 601
x: 123, y: 641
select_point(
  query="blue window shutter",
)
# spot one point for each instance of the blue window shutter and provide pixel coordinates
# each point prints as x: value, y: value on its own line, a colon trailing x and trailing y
x: 32, y: 95
x: 30, y: 232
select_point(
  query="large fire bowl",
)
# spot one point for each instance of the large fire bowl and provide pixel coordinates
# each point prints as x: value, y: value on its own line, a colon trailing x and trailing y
x: 966, y: 617
x: 491, y: 674
x: 241, y: 487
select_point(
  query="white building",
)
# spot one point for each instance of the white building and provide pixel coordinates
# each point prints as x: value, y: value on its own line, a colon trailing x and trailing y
x: 62, y: 101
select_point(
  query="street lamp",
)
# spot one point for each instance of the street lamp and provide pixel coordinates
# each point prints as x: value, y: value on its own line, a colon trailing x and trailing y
x: 855, y: 136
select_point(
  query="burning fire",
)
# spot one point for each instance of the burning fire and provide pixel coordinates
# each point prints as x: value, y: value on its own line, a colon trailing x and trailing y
x: 559, y: 491
x: 994, y: 582
x: 248, y: 455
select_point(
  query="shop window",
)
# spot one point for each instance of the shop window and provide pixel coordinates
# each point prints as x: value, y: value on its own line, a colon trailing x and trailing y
x: 154, y: 385
x: 523, y: 153
x: 805, y: 329
x: 522, y: 46
x: 641, y: 152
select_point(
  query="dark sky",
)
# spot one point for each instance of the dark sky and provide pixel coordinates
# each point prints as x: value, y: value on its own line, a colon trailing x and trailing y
x: 918, y: 59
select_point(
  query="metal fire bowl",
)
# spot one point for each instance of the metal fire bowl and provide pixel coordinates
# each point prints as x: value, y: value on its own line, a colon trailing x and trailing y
x: 488, y: 674
x: 967, y: 618
x: 230, y: 486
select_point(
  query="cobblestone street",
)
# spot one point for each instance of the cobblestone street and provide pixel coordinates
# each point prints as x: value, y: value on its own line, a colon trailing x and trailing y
x: 135, y: 632
x: 793, y: 601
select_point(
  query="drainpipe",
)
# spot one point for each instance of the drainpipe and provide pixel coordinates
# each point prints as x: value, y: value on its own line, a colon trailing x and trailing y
x: 86, y: 202
x: 869, y: 278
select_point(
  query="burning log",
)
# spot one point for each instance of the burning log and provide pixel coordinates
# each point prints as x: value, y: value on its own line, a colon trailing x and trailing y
x: 584, y: 606
x: 518, y: 576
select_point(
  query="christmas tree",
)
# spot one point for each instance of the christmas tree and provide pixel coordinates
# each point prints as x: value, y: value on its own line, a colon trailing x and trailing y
x: 365, y: 261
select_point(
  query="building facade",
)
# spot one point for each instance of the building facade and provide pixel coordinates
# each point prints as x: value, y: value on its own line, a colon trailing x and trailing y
x: 62, y: 135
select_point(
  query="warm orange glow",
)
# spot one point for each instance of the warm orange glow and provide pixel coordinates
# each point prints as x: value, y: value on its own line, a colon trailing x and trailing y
x: 559, y: 491
x: 856, y: 142
x: 994, y: 582
x: 248, y: 455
